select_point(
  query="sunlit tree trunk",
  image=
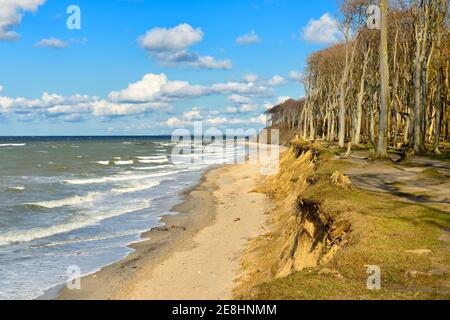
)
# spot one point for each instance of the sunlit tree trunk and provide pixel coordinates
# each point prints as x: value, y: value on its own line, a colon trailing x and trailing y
x: 384, y: 73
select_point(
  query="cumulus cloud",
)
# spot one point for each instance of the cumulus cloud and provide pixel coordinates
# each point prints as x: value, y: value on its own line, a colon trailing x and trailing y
x: 53, y: 43
x: 322, y: 31
x: 11, y: 14
x: 193, y: 115
x: 153, y: 92
x: 250, y: 78
x: 248, y: 39
x: 110, y: 109
x: 175, y: 39
x: 242, y: 104
x: 259, y: 120
x: 171, y: 47
x: 68, y: 107
x: 235, y: 98
x: 283, y: 99
x: 250, y: 89
x: 276, y: 80
x: 175, y: 122
x: 156, y: 87
x: 296, y: 76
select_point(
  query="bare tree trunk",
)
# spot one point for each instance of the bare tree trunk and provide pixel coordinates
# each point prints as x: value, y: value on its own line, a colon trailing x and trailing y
x: 372, y: 127
x: 384, y: 73
x: 343, y: 87
x: 359, y: 111
x: 312, y: 130
x: 438, y: 106
x: 418, y: 142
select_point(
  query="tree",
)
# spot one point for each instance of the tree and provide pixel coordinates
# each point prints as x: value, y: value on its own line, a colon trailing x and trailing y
x: 384, y: 89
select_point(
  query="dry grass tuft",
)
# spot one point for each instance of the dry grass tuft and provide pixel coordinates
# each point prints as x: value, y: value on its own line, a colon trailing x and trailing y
x: 340, y: 180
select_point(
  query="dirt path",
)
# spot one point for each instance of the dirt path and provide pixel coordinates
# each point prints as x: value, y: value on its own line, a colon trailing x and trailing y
x: 419, y: 180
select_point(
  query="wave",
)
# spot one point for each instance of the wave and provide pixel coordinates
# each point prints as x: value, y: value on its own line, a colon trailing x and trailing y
x: 103, y: 163
x: 136, y: 188
x: 122, y: 163
x: 13, y: 145
x: 154, y: 167
x: 118, y: 178
x: 75, y: 200
x: 152, y: 158
x: 154, y: 161
x: 16, y: 189
x: 80, y: 222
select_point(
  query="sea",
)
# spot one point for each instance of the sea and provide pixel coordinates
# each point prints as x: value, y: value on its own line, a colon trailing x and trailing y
x: 77, y: 203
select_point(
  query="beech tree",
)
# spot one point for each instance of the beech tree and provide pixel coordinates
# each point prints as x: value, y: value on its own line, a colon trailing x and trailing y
x: 388, y: 87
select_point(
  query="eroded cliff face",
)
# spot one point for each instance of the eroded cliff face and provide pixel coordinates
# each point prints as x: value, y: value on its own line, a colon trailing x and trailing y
x: 302, y: 234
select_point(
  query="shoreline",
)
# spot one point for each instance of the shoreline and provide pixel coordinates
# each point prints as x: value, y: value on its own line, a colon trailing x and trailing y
x: 176, y: 260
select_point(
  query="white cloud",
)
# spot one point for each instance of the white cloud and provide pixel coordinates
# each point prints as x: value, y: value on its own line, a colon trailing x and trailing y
x: 156, y: 87
x: 283, y: 99
x: 239, y: 99
x: 249, y: 107
x: 296, y: 76
x: 276, y: 80
x: 324, y: 31
x: 11, y: 13
x: 231, y: 109
x: 107, y: 109
x: 175, y: 39
x: 153, y: 92
x: 171, y: 47
x: 250, y: 78
x: 175, y: 122
x: 208, y: 62
x: 259, y: 120
x: 1, y: 89
x: 193, y: 115
x: 267, y: 105
x: 244, y: 108
x: 248, y: 39
x: 216, y: 121
x: 52, y: 43
x: 240, y: 88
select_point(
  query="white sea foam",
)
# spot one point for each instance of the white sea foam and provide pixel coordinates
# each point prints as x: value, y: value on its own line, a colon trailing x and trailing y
x: 154, y: 167
x: 75, y: 200
x: 123, y: 163
x: 152, y: 158
x: 17, y: 189
x: 13, y: 145
x: 117, y: 178
x: 154, y: 161
x: 136, y: 188
x: 77, y: 223
x: 103, y: 163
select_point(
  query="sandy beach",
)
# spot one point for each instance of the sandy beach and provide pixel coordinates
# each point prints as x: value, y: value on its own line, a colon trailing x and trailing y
x: 197, y: 254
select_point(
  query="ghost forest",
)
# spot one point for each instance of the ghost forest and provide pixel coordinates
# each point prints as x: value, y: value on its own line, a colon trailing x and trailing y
x: 388, y: 86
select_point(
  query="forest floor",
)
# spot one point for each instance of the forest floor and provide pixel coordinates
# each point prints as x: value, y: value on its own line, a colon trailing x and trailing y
x: 400, y: 217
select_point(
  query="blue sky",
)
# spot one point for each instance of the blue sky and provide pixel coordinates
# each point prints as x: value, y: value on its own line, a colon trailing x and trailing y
x: 150, y: 66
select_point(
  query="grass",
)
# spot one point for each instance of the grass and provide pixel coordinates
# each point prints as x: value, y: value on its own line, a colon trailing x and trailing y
x: 385, y: 232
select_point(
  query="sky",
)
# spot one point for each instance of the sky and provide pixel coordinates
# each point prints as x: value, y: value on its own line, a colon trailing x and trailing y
x: 148, y: 67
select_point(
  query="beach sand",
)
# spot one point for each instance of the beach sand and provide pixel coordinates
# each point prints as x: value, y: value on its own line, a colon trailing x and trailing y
x: 197, y: 254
